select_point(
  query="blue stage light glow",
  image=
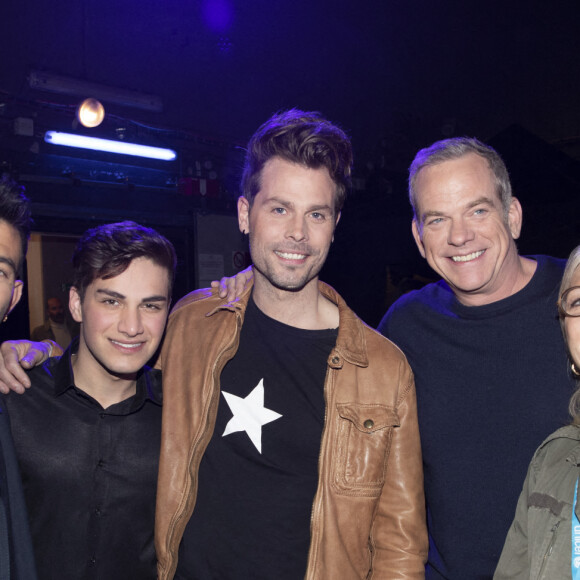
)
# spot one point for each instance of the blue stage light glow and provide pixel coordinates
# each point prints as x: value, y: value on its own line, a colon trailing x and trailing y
x: 82, y: 142
x: 218, y: 14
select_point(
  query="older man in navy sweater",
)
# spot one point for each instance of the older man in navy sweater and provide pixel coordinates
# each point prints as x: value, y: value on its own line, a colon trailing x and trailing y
x: 486, y: 349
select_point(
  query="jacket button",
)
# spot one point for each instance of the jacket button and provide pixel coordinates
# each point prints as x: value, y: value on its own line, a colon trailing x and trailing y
x: 335, y: 360
x: 369, y: 424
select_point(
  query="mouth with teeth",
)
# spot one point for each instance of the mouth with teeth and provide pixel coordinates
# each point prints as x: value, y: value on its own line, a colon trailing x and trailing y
x: 127, y: 345
x: 290, y: 256
x: 468, y: 257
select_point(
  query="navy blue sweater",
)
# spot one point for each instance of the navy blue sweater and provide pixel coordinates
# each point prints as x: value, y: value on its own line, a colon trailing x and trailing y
x: 492, y: 382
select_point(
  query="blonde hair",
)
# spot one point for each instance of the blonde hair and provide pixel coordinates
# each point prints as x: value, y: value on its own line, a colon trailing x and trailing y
x: 571, y: 266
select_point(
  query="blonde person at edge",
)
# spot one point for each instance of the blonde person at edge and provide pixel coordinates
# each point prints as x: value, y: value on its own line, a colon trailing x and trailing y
x: 546, y: 524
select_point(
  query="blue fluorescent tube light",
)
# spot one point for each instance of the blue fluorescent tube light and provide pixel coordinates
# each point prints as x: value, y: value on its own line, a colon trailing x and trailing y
x: 82, y: 142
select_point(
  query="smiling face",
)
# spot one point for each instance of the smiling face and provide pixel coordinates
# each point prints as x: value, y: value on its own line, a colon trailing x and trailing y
x: 122, y: 320
x: 463, y: 231
x: 10, y: 254
x: 291, y: 223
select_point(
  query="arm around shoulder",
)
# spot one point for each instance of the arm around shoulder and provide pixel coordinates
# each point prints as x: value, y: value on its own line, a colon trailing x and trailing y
x: 17, y: 355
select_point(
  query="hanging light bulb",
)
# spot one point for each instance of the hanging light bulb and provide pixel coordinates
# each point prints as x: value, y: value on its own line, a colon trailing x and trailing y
x: 90, y: 113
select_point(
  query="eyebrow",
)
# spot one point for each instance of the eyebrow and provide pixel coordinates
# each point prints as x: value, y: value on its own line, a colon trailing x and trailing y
x: 318, y: 207
x: 119, y: 296
x: 9, y: 262
x: 429, y: 214
x: 480, y: 200
x: 278, y: 201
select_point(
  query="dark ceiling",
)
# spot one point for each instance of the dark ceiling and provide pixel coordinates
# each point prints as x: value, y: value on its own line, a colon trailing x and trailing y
x: 396, y: 74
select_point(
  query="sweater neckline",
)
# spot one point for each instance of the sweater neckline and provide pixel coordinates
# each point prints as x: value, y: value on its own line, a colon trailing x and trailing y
x: 535, y: 287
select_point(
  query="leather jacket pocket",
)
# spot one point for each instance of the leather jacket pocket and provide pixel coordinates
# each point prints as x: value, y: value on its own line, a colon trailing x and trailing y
x: 363, y: 439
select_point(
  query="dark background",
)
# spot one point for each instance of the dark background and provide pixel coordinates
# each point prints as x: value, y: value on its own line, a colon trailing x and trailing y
x: 396, y: 75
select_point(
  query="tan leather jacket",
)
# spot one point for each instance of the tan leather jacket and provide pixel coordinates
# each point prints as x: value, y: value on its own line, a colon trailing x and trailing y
x: 368, y: 516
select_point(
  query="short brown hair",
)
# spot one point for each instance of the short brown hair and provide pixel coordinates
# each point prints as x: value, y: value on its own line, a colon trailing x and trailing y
x: 299, y: 137
x: 107, y: 251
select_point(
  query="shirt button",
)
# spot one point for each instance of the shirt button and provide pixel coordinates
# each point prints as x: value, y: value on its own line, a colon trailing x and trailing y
x: 98, y: 511
x: 335, y: 360
x: 369, y: 424
x: 100, y: 463
x: 92, y: 561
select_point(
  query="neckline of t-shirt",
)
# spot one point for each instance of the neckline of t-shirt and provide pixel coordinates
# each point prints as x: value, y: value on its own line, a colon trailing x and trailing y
x: 305, y: 333
x: 64, y: 380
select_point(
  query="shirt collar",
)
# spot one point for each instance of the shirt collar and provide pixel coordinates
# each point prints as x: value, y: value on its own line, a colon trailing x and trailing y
x: 64, y: 380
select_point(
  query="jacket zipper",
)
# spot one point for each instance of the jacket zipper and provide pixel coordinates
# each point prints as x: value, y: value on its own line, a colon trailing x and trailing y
x: 550, y: 549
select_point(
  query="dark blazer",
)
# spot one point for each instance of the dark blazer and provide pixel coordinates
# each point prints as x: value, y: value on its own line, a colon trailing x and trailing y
x: 16, y: 553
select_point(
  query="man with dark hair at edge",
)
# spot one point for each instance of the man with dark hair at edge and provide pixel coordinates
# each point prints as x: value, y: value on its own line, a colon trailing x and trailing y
x: 88, y: 431
x: 290, y: 445
x: 486, y: 349
x: 16, y: 554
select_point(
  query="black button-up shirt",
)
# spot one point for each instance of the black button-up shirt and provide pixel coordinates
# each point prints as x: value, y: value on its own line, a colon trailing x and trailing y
x: 89, y: 474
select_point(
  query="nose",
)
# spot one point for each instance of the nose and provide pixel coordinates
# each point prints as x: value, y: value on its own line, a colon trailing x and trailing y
x: 297, y: 228
x: 130, y: 322
x: 459, y: 233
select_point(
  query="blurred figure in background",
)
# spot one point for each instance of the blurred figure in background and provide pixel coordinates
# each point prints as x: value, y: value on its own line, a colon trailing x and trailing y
x: 58, y: 326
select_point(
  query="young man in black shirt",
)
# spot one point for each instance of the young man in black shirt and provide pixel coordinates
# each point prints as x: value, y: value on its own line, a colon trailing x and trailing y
x: 87, y: 432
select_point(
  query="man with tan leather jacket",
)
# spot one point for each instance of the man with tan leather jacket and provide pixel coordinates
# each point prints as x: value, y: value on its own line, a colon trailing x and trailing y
x: 290, y: 445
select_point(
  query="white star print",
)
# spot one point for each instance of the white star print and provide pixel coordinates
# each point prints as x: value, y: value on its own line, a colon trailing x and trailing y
x: 249, y: 414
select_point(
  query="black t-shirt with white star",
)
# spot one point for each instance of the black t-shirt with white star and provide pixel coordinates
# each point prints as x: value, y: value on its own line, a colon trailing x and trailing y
x: 259, y: 475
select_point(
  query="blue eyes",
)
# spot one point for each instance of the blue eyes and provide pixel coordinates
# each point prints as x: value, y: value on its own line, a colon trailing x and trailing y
x: 317, y: 216
x: 480, y: 211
